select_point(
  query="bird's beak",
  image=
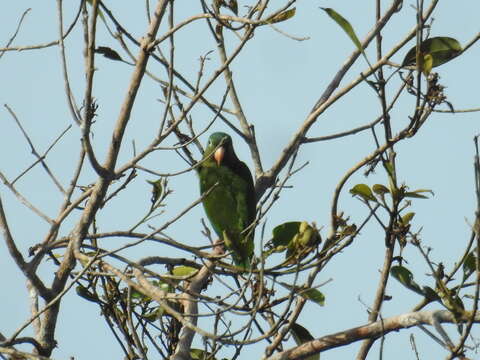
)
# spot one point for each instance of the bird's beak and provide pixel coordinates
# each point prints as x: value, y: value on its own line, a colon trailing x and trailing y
x: 218, y: 155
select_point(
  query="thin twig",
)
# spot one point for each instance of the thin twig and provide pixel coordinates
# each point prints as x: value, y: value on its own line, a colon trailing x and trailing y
x: 9, y: 42
x: 24, y: 201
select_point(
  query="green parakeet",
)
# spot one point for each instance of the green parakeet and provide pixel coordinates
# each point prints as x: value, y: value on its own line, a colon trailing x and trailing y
x: 230, y: 205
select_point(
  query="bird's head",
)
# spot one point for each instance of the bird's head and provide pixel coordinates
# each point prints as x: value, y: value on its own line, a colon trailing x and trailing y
x: 219, y: 147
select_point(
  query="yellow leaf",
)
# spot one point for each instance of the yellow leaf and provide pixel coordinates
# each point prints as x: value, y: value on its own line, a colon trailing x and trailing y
x: 281, y: 17
x: 427, y: 64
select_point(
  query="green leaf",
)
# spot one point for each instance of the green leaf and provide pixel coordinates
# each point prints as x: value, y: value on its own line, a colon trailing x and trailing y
x: 452, y: 302
x: 415, y: 196
x: 301, y: 336
x: 162, y: 285
x: 314, y: 295
x: 137, y: 295
x: 198, y: 354
x: 307, y: 235
x: 441, y: 49
x: 99, y: 12
x: 283, y: 16
x: 390, y: 169
x: 86, y: 294
x: 309, y: 294
x: 392, y: 178
x: 304, y: 241
x: 153, y: 315
x: 283, y: 234
x: 297, y: 238
x: 405, y: 277
x: 109, y: 53
x: 407, y: 218
x: 380, y: 189
x: 430, y: 294
x: 232, y: 5
x: 363, y: 191
x: 184, y: 271
x: 348, y: 230
x: 345, y: 25
x: 418, y: 194
x: 158, y: 189
x: 469, y: 265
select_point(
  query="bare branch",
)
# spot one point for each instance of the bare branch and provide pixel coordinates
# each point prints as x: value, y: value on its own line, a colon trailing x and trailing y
x: 373, y: 330
x: 16, y: 31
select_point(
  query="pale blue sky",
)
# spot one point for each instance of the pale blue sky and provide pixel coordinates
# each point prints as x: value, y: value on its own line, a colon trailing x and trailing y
x: 278, y: 81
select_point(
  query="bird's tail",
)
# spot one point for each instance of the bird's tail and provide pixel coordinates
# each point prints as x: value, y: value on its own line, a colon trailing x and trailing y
x: 242, y: 250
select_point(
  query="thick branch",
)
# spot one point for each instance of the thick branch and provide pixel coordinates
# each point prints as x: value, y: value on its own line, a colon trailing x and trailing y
x: 373, y: 330
x: 18, y: 257
x: 46, y: 336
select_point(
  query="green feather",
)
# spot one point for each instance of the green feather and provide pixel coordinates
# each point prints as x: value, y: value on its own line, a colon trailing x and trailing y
x: 230, y: 205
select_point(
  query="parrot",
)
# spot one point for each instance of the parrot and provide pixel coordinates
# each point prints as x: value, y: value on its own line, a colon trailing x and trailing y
x: 229, y: 202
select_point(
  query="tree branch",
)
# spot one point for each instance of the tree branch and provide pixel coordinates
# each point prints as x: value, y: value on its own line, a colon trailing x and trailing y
x: 373, y: 330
